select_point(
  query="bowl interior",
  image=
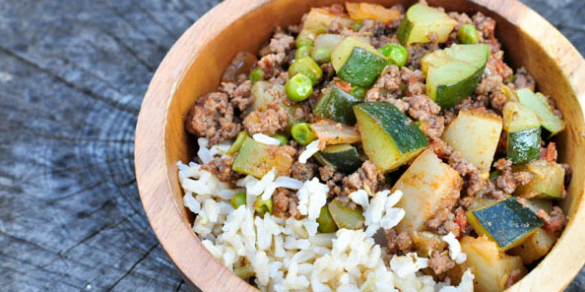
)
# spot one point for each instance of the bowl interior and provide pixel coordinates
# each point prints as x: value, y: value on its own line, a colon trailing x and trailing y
x: 250, y: 31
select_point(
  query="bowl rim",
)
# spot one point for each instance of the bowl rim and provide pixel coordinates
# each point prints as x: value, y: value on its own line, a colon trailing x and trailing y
x: 154, y: 185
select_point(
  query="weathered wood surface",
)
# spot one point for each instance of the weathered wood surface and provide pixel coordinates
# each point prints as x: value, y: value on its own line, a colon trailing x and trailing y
x: 72, y: 76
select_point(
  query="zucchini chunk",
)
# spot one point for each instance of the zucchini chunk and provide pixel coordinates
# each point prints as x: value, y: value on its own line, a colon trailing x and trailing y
x: 539, y: 104
x: 475, y: 134
x: 420, y: 21
x: 491, y: 267
x: 428, y: 185
x: 337, y: 105
x: 390, y: 139
x: 535, y: 247
x: 343, y: 157
x: 506, y: 222
x: 328, y: 41
x: 523, y: 128
x: 258, y: 159
x: 332, y: 133
x: 356, y: 61
x: 346, y: 217
x: 453, y: 73
x: 548, y: 181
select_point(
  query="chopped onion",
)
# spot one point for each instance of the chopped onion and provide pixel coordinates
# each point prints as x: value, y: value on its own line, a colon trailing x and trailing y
x: 261, y: 138
x: 311, y: 149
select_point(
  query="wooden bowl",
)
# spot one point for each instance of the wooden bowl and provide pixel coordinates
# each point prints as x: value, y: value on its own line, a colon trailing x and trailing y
x: 196, y: 62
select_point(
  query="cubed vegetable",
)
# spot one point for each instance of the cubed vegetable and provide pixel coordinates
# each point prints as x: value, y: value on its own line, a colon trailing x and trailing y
x: 328, y: 41
x: 428, y: 185
x: 343, y: 157
x: 363, y: 11
x: 357, y: 62
x: 337, y: 105
x: 535, y: 247
x: 506, y: 222
x: 345, y: 216
x: 258, y: 159
x: 539, y: 104
x: 332, y: 133
x: 475, y: 134
x: 548, y: 180
x: 491, y: 267
x: 420, y: 21
x: 265, y: 93
x: 326, y: 223
x: 523, y: 128
x: 317, y: 21
x: 390, y: 139
x: 453, y: 73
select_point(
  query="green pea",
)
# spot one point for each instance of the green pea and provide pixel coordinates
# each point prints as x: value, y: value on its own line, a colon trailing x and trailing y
x: 511, y: 78
x: 302, y: 133
x: 322, y: 55
x: 263, y: 206
x: 303, y: 41
x: 299, y: 87
x: 396, y: 54
x: 357, y: 25
x: 467, y: 34
x: 238, y: 200
x: 326, y: 223
x: 256, y: 75
x: 303, y: 52
x: 308, y: 67
x: 282, y: 138
x: 358, y: 91
x: 237, y: 144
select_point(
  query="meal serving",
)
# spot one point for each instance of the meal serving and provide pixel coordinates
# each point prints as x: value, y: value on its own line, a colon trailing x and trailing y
x: 377, y: 149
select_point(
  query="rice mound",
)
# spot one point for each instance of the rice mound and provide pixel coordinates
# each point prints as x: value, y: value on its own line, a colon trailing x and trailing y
x: 289, y: 254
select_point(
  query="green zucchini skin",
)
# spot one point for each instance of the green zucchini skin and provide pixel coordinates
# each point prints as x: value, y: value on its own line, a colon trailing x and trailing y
x: 337, y: 105
x: 404, y: 132
x: 404, y: 30
x: 506, y: 222
x: 452, y: 94
x: 344, y: 158
x: 362, y: 68
x: 524, y: 146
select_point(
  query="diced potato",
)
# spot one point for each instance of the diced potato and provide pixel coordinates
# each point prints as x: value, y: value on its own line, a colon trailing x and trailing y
x: 491, y: 267
x: 428, y: 185
x: 363, y: 11
x: 328, y: 41
x: 317, y: 21
x: 475, y: 134
x: 548, y: 180
x: 535, y: 247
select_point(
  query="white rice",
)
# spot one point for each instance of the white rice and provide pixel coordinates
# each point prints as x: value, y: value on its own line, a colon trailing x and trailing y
x: 289, y: 254
x: 454, y: 248
x: 261, y: 138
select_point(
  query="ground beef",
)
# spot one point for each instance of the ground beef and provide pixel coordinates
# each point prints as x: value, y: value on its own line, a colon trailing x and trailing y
x: 417, y: 51
x: 303, y: 171
x: 328, y: 72
x: 387, y: 88
x: 422, y: 108
x: 212, y: 116
x: 523, y: 79
x: 553, y: 222
x: 414, y: 81
x: 475, y: 183
x: 240, y: 95
x: 485, y: 28
x: 222, y: 169
x: 266, y: 122
x: 276, y: 53
x: 367, y: 176
x: 508, y: 180
x: 446, y: 221
x: 331, y: 178
x: 285, y: 204
x: 398, y: 243
x: 440, y: 262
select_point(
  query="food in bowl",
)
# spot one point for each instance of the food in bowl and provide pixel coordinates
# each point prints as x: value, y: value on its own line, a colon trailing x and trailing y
x: 376, y: 149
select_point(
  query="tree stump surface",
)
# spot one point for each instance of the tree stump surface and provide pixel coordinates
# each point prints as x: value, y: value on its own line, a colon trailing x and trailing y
x: 72, y: 78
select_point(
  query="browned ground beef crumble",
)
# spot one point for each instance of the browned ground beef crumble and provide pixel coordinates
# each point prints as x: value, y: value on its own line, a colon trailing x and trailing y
x: 219, y: 116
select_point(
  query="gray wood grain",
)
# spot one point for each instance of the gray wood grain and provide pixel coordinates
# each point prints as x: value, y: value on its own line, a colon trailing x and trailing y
x: 72, y: 77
